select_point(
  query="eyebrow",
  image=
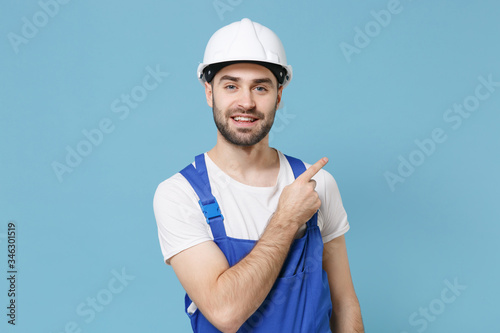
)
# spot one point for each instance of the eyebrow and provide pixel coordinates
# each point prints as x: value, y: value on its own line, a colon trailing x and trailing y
x: 265, y: 80
x: 236, y: 79
x: 229, y: 78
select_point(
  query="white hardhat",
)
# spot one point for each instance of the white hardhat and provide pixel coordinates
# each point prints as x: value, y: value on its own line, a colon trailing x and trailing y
x: 245, y: 41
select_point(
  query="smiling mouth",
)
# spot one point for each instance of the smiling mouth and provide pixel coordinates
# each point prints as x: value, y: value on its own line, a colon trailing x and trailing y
x: 240, y: 119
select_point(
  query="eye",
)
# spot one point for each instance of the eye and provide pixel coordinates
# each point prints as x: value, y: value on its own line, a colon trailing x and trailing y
x: 261, y: 89
x: 230, y: 87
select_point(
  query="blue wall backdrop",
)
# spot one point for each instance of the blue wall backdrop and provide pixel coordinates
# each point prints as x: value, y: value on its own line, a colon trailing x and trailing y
x: 99, y: 103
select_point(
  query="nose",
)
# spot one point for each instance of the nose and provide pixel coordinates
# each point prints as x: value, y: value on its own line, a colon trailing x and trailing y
x: 246, y: 99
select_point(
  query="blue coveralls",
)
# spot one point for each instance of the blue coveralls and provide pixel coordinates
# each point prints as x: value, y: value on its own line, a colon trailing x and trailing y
x: 299, y: 300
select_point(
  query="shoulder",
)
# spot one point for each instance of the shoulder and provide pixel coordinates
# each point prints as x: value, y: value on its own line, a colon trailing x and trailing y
x: 173, y: 189
x: 179, y: 219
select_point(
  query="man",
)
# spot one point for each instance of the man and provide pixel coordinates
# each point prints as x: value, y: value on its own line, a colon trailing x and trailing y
x: 255, y: 239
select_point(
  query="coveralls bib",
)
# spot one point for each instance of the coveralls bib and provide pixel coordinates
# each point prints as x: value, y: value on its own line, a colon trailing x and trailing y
x: 299, y: 300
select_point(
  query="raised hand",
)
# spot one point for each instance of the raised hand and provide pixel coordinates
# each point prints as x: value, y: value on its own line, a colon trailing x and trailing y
x: 299, y: 200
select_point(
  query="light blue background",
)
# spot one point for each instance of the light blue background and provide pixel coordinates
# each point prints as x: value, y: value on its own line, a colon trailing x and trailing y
x: 440, y: 224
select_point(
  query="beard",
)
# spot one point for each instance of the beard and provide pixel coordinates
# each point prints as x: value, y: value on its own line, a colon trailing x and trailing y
x: 243, y: 136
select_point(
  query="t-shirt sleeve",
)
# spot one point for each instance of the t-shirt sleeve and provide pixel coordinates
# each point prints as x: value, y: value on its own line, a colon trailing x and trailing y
x: 334, y: 216
x: 179, y: 219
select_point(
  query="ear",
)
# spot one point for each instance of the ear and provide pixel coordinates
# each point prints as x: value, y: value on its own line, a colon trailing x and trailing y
x: 278, y: 100
x: 209, y: 94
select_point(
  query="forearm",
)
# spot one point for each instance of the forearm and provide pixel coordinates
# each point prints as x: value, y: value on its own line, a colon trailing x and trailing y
x: 242, y: 288
x: 346, y: 318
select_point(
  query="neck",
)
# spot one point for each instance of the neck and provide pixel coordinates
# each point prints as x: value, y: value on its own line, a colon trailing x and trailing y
x: 256, y: 165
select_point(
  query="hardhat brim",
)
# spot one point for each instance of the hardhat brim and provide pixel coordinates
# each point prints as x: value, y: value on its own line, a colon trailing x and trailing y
x: 206, y: 72
x: 211, y: 70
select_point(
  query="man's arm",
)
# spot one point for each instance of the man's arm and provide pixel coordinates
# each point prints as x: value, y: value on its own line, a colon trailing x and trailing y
x: 228, y: 296
x: 346, y: 314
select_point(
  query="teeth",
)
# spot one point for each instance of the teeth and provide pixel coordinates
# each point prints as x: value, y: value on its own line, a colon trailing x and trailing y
x: 243, y: 119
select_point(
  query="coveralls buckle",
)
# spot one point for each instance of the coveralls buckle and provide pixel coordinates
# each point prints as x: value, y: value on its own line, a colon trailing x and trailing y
x: 211, y: 210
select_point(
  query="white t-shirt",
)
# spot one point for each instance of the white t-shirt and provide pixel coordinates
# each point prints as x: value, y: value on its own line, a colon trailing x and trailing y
x: 246, y: 209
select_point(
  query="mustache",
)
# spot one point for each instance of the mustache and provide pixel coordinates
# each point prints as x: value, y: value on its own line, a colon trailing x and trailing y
x: 250, y: 112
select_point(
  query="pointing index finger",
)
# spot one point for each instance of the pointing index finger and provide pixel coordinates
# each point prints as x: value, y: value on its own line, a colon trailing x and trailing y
x: 313, y: 169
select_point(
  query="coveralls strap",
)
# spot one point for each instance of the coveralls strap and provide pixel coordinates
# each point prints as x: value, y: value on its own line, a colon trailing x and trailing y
x: 299, y: 301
